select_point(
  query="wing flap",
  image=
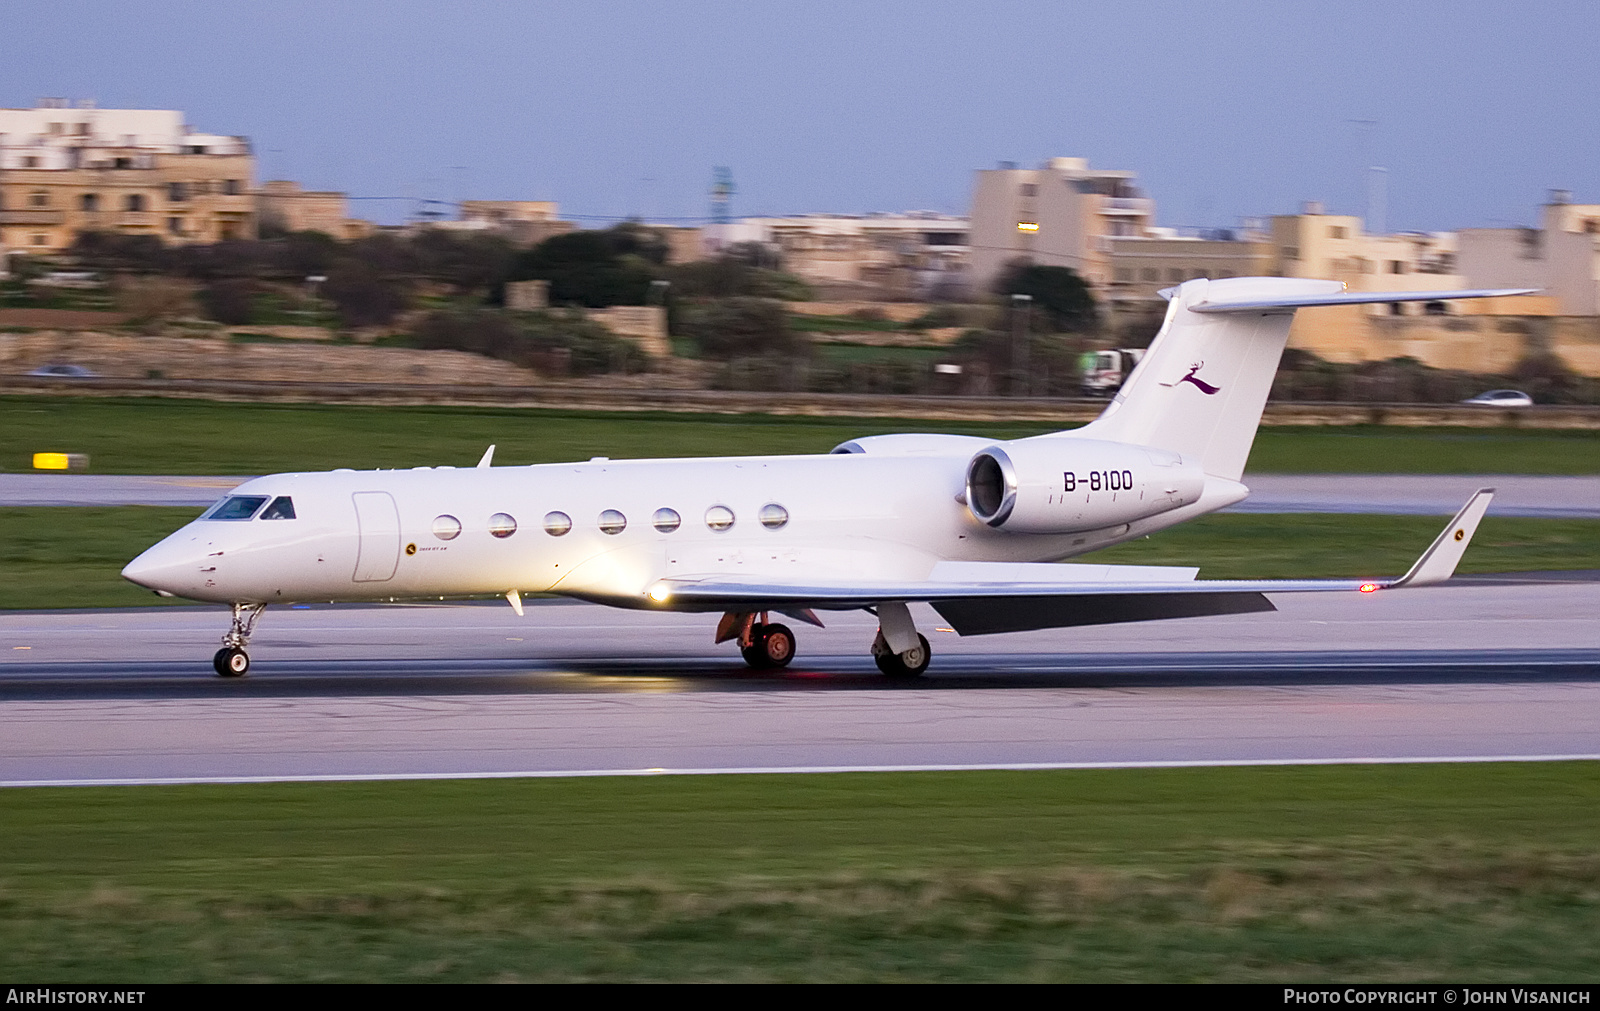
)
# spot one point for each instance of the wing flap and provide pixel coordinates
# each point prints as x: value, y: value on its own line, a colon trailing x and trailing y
x: 988, y: 615
x: 723, y: 593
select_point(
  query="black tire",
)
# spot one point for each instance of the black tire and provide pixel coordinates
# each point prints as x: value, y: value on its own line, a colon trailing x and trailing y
x: 896, y: 665
x: 777, y: 643
x: 755, y: 654
x: 230, y: 662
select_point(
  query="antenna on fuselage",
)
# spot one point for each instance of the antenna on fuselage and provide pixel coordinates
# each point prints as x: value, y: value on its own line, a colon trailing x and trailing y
x: 488, y: 457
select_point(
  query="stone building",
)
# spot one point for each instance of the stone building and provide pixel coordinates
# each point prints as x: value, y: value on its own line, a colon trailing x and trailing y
x: 1561, y: 256
x: 524, y: 222
x: 894, y: 255
x: 67, y: 169
x: 1062, y: 214
x: 285, y: 205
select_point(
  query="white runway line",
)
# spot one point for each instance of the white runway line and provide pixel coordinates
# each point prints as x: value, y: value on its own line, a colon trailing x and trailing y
x: 799, y: 770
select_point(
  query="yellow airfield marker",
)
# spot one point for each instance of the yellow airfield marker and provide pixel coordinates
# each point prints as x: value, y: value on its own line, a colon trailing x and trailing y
x: 60, y: 461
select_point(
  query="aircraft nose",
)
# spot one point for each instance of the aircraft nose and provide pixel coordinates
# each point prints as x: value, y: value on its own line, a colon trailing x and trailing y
x: 165, y: 568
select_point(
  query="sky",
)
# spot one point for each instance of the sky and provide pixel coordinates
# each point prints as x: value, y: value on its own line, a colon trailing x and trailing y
x: 617, y: 108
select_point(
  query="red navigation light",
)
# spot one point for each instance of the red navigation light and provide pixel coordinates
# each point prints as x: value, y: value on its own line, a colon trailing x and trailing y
x: 1367, y: 587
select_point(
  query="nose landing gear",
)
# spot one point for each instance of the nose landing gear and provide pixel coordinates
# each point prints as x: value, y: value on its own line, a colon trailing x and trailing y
x: 231, y: 661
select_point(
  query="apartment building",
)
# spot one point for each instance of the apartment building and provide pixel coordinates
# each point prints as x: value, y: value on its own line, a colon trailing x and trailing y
x: 1062, y: 214
x: 899, y: 255
x: 69, y: 168
x: 1142, y: 265
x: 525, y: 222
x: 1561, y: 256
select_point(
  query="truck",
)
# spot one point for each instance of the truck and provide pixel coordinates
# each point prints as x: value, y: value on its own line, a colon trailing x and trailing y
x: 1105, y: 371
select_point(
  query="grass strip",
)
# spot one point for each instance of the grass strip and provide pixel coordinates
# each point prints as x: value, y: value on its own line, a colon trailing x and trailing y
x: 1340, y: 545
x: 154, y: 436
x: 1463, y: 872
x: 69, y: 556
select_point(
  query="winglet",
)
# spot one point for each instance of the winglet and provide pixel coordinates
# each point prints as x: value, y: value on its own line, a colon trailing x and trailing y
x: 1439, y: 562
x: 488, y: 457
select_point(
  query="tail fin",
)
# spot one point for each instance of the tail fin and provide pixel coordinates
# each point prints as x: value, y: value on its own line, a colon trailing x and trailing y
x: 1200, y: 389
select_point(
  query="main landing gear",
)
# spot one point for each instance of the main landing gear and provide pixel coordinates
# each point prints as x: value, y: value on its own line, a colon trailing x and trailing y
x: 899, y: 650
x: 231, y: 661
x: 763, y: 644
x: 908, y: 664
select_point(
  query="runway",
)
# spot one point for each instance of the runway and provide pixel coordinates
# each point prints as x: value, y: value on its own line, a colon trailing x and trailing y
x: 1520, y: 495
x: 1477, y: 669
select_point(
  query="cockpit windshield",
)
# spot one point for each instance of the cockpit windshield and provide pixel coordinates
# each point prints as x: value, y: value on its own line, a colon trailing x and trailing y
x: 282, y: 508
x: 236, y: 507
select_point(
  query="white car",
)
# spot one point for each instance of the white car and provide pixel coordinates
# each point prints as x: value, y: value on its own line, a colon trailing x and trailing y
x: 65, y: 372
x: 1501, y: 398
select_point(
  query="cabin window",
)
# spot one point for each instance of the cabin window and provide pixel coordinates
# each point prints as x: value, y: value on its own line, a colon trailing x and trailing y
x: 446, y: 527
x: 666, y: 520
x: 236, y: 507
x: 719, y: 518
x: 282, y: 508
x: 613, y: 522
x: 502, y: 525
x: 773, y: 516
x: 557, y: 523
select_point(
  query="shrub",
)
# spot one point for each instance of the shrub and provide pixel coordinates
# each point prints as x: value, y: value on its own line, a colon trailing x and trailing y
x: 230, y: 302
x: 362, y: 296
x: 743, y: 327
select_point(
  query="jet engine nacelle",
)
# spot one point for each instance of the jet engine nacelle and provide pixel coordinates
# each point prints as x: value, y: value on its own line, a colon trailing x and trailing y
x: 1057, y: 485
x: 913, y: 444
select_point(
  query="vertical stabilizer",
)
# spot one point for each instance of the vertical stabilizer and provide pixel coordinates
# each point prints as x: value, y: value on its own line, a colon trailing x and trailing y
x: 1201, y: 387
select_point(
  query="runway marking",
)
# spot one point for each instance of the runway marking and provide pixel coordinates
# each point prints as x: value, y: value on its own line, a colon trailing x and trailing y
x: 795, y: 770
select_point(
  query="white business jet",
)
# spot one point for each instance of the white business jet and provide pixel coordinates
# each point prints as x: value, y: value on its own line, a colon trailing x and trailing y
x: 972, y: 526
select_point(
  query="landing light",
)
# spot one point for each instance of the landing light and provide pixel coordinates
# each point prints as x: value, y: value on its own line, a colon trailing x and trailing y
x: 1027, y: 226
x: 1367, y: 587
x: 660, y: 592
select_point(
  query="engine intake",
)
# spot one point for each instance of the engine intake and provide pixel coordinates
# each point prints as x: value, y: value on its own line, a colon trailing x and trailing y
x: 1057, y: 485
x: 992, y: 486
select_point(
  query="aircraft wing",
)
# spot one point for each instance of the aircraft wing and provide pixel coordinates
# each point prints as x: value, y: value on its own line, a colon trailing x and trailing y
x: 983, y: 597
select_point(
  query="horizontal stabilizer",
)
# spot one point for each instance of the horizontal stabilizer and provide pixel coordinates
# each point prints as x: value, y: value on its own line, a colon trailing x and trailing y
x: 1258, y: 303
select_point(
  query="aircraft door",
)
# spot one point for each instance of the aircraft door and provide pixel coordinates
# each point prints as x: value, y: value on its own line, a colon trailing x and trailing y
x: 378, y: 523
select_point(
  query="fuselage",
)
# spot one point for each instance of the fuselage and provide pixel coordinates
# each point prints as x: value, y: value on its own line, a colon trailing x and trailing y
x: 608, y: 530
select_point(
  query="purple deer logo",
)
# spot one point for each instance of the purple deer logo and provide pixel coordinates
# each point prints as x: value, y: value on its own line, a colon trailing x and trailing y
x: 1195, y: 381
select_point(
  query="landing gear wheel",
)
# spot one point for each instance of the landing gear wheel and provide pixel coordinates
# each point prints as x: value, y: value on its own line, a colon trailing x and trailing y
x: 778, y: 643
x: 909, y: 664
x: 231, y: 662
x: 770, y: 646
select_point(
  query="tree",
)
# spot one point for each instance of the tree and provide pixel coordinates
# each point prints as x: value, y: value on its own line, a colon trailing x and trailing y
x: 1060, y: 296
x: 362, y: 296
x: 229, y: 301
x: 731, y: 276
x: 594, y: 268
x: 469, y: 263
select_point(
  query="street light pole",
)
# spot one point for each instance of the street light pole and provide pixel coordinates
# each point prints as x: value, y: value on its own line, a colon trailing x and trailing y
x: 1020, y: 306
